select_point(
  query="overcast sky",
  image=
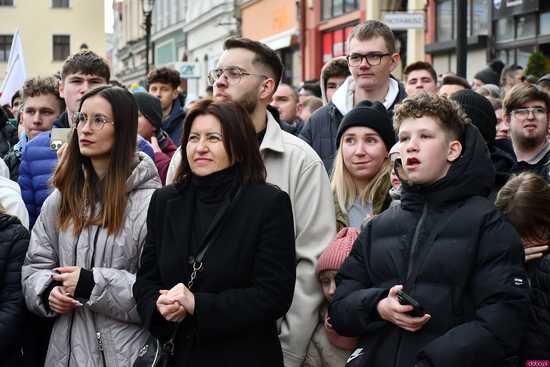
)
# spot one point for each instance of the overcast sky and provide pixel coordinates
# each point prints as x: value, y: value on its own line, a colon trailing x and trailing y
x: 108, y: 16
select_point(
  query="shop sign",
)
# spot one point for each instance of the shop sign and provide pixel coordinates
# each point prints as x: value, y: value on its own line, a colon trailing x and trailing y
x: 402, y: 20
x: 506, y: 8
x: 188, y: 70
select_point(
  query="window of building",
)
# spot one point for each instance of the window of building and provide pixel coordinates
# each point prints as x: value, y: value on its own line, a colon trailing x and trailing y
x: 60, y: 3
x: 545, y: 23
x: 6, y: 2
x: 477, y: 23
x: 526, y: 26
x: 61, y: 47
x: 504, y: 29
x: 335, y: 8
x: 5, y: 46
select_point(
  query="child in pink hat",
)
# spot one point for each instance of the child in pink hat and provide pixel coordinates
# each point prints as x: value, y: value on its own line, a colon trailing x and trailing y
x: 326, y: 347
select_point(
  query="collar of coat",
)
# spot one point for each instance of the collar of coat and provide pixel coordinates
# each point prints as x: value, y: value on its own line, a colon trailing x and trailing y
x: 273, y: 139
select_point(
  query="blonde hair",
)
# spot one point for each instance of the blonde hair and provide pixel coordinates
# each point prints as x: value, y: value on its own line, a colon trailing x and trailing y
x: 345, y: 191
x: 2, y: 209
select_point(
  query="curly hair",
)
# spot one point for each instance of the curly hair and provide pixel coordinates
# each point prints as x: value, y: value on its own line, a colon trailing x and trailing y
x: 164, y: 75
x: 42, y: 85
x: 449, y: 115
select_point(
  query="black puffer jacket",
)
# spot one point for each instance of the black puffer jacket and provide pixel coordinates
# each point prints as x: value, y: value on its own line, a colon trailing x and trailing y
x: 469, y: 267
x: 14, y: 240
x: 536, y: 345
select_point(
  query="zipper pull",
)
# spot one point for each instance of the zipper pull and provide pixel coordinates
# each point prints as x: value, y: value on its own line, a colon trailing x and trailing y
x: 99, y: 342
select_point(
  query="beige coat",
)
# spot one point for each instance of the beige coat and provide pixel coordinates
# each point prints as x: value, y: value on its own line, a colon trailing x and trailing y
x: 111, y: 303
x: 295, y: 168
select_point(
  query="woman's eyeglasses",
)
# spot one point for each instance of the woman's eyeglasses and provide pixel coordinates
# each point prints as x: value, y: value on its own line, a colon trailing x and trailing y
x: 97, y: 121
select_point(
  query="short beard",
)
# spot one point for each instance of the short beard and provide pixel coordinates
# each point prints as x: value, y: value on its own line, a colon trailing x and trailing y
x: 249, y: 101
x: 524, y: 143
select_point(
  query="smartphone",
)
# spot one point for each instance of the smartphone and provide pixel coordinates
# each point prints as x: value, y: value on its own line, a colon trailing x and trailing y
x: 60, y: 136
x: 405, y: 299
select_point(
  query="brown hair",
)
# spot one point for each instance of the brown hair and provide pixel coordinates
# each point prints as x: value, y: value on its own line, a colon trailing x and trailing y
x: 525, y: 201
x: 264, y: 56
x: 448, y: 114
x: 81, y: 190
x: 86, y: 62
x: 336, y: 67
x: 521, y: 94
x: 420, y: 65
x: 313, y: 103
x: 373, y: 28
x: 164, y: 75
x: 38, y: 86
x: 239, y: 140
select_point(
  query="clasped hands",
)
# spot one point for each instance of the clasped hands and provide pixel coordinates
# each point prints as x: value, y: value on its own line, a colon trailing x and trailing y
x: 61, y: 299
x: 176, y: 303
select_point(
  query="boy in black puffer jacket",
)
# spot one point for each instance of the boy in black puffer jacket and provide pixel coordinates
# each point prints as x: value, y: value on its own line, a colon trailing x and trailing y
x: 525, y: 201
x: 446, y: 246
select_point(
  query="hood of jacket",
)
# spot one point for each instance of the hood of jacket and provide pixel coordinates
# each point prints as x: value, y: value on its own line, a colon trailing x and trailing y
x: 323, y: 79
x: 144, y: 174
x: 472, y: 174
x: 503, y: 163
x: 7, y: 220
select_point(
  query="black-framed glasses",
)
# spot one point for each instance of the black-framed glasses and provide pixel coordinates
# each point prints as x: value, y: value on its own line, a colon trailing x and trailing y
x: 232, y: 74
x: 97, y: 121
x: 373, y: 59
x: 523, y: 113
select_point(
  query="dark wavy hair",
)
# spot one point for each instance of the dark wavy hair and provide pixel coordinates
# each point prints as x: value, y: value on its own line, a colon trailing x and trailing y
x: 239, y: 140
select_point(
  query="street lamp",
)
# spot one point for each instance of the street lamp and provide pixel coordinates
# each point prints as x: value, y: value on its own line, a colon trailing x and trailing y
x: 147, y: 7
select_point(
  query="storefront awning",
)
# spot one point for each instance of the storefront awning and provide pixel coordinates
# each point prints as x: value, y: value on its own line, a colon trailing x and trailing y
x: 279, y: 40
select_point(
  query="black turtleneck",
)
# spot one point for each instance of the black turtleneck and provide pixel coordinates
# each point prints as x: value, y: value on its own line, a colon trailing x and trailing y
x: 212, y: 192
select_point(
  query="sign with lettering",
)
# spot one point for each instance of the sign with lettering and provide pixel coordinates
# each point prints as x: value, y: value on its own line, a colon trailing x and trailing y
x: 188, y: 70
x: 402, y: 20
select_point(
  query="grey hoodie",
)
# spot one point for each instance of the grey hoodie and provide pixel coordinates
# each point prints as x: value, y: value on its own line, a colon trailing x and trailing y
x: 110, y: 312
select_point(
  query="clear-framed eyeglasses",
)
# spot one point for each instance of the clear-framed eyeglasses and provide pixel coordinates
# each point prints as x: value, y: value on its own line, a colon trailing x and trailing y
x: 233, y: 75
x: 97, y: 121
x: 523, y: 113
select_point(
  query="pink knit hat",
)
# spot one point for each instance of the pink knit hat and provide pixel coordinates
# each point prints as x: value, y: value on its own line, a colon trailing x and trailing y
x: 334, y: 255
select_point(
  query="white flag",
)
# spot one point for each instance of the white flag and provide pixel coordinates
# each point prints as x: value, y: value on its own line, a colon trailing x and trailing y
x: 15, y: 73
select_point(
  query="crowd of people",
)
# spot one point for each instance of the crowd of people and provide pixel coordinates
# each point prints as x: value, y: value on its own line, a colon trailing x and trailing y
x: 361, y: 220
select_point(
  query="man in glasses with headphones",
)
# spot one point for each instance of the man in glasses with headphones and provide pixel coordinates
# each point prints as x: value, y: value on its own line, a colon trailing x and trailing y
x: 372, y: 56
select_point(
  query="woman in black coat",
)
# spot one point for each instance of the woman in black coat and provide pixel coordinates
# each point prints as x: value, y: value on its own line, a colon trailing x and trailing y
x: 14, y: 240
x: 236, y: 231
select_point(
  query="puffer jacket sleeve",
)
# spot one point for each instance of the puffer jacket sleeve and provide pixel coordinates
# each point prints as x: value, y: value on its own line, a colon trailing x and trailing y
x: 112, y: 294
x: 353, y: 308
x: 27, y: 193
x: 499, y: 287
x: 315, y: 224
x: 42, y: 257
x: 12, y: 304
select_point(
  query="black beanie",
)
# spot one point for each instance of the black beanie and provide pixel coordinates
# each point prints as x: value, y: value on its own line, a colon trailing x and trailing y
x: 372, y: 115
x: 487, y: 76
x: 150, y: 107
x: 480, y: 111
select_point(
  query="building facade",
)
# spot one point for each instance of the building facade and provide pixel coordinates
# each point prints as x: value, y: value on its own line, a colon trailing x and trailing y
x: 208, y: 23
x: 276, y: 23
x: 50, y: 31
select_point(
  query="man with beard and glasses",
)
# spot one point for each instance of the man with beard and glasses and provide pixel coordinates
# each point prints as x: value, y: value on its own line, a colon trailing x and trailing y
x: 249, y: 72
x: 526, y: 112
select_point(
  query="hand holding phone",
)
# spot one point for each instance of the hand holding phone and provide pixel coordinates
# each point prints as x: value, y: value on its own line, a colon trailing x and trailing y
x: 405, y: 299
x: 59, y: 136
x: 391, y: 310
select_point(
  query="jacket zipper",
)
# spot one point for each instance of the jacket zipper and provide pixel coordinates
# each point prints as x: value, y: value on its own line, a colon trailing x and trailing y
x: 72, y: 315
x: 409, y: 269
x: 98, y: 333
x: 100, y: 347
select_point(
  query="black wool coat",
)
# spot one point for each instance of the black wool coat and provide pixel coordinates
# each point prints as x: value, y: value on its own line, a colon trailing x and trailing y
x: 457, y: 256
x: 246, y: 284
x: 14, y: 240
